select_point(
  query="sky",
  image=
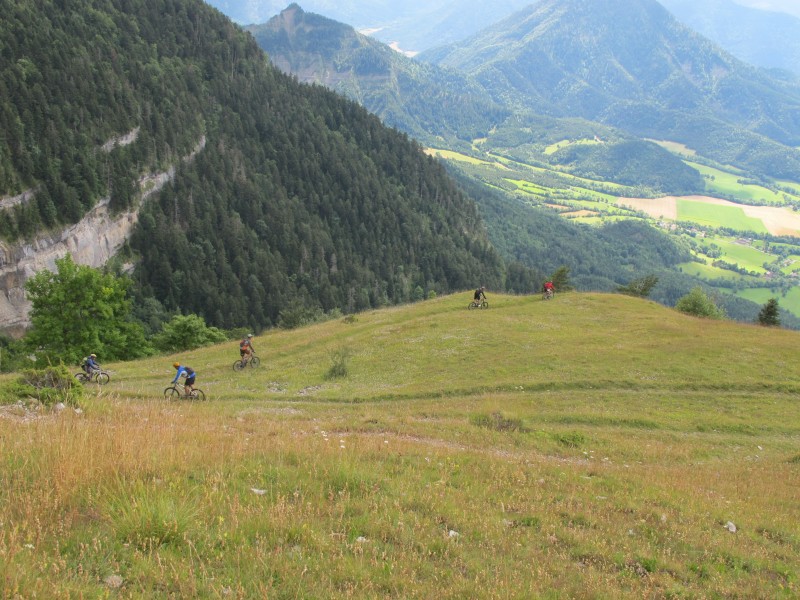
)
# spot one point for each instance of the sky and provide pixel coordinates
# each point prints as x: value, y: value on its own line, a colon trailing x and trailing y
x: 788, y: 6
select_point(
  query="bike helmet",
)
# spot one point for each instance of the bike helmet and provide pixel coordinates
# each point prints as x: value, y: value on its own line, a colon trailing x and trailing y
x: 176, y: 365
x: 249, y: 335
x: 93, y: 355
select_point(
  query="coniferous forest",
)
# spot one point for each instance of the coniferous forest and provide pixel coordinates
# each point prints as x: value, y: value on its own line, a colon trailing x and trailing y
x: 285, y: 196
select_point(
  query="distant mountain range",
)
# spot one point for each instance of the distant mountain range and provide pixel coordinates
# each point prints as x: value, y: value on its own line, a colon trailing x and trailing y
x: 410, y: 26
x: 760, y: 37
x: 421, y: 99
x: 631, y: 65
x: 766, y: 34
x: 562, y: 59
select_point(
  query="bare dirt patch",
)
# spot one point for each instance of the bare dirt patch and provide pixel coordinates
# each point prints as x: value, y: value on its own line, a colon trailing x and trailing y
x: 666, y: 207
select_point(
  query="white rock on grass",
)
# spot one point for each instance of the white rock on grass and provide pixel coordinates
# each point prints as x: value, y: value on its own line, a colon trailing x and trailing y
x: 730, y: 526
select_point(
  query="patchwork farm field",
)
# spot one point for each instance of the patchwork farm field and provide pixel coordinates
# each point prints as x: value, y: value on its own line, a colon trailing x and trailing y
x: 759, y: 212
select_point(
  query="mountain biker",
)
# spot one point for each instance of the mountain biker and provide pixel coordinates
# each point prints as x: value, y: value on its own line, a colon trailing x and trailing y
x: 480, y: 295
x: 90, y: 364
x: 246, y: 348
x: 187, y: 372
x: 549, y: 288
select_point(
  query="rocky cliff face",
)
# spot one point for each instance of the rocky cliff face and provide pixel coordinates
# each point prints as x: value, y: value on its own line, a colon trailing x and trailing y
x: 92, y: 241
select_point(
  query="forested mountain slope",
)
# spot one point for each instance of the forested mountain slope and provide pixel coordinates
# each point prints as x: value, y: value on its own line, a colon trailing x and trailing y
x: 298, y: 199
x: 630, y: 64
x: 423, y: 100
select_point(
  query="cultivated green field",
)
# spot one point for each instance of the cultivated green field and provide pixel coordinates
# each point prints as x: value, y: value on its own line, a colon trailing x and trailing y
x: 712, y: 215
x: 593, y: 446
x: 790, y: 301
x: 709, y: 272
x: 729, y: 183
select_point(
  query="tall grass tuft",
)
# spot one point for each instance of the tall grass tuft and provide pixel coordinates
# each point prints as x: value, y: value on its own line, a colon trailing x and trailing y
x: 498, y: 422
x: 149, y: 517
x: 339, y: 360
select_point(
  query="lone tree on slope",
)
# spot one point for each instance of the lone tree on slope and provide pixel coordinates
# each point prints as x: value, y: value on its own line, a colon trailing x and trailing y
x: 768, y: 315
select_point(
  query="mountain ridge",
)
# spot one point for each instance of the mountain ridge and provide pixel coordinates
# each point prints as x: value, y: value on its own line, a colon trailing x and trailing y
x: 422, y: 100
x: 571, y: 58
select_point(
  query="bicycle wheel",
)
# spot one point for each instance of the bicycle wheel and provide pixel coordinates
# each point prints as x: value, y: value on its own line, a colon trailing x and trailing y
x: 255, y: 361
x: 199, y: 395
x: 485, y: 305
x: 238, y: 365
x: 102, y: 378
x: 81, y: 377
x: 471, y: 306
x: 172, y: 393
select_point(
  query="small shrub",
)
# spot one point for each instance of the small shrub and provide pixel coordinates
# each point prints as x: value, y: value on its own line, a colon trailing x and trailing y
x: 47, y: 386
x: 338, y: 368
x: 699, y: 304
x: 350, y: 319
x: 570, y: 440
x: 639, y: 288
x: 148, y: 516
x: 497, y: 422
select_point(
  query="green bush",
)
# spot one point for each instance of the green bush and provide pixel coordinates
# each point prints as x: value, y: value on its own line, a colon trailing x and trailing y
x: 338, y: 368
x: 698, y: 304
x: 47, y: 386
x: 186, y: 333
x: 639, y: 288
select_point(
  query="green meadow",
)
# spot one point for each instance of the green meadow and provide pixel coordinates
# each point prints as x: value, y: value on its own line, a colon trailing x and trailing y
x: 593, y: 446
x: 709, y: 272
x: 729, y: 183
x: 712, y: 215
x: 746, y: 256
x: 789, y: 301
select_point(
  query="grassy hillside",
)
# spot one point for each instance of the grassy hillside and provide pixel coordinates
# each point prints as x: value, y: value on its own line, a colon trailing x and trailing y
x: 591, y: 446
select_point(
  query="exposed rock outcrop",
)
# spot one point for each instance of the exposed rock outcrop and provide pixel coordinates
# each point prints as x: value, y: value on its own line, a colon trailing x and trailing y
x: 92, y: 241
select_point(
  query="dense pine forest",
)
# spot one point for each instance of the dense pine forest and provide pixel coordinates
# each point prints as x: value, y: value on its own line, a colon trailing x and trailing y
x: 294, y: 198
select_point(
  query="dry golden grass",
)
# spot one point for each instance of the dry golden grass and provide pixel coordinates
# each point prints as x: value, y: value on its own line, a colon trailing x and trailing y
x: 594, y: 446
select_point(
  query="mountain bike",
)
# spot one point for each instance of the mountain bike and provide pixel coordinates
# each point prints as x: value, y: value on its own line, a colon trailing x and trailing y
x: 97, y: 376
x: 548, y: 294
x: 253, y: 361
x: 177, y: 391
x: 478, y: 304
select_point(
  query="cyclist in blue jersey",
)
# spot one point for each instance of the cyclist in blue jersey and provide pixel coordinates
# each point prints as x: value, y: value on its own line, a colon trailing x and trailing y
x: 90, y: 364
x: 188, y: 372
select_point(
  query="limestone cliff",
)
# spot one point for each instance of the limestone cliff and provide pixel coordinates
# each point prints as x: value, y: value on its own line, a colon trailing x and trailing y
x: 92, y: 241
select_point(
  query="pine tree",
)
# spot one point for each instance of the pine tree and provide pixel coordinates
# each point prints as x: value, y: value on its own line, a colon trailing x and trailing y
x: 768, y: 315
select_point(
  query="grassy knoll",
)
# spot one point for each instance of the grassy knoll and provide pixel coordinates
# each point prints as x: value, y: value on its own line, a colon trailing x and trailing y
x: 594, y: 446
